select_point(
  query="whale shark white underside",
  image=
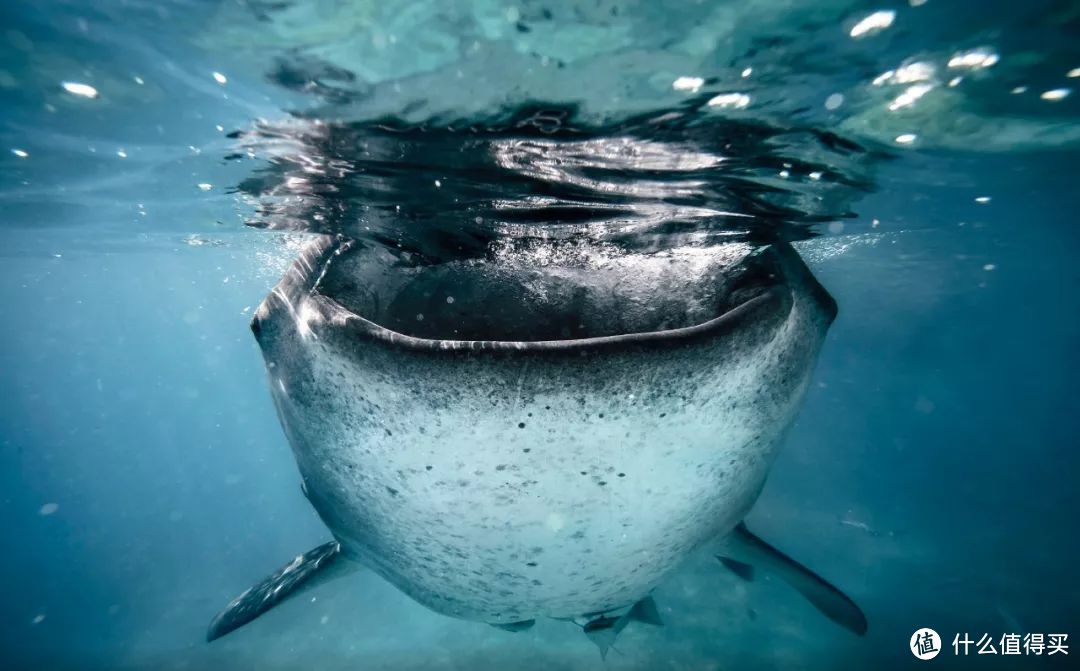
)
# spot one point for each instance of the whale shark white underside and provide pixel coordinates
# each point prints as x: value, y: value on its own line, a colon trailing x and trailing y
x: 504, y: 440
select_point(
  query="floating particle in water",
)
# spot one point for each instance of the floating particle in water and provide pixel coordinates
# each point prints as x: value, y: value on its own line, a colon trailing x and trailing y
x: 220, y: 78
x: 875, y: 223
x: 919, y: 71
x: 910, y: 96
x: 785, y: 173
x: 990, y: 266
x: 916, y: 3
x: 834, y: 101
x: 139, y: 80
x: 691, y: 84
x: 955, y: 81
x: 121, y: 153
x: 816, y: 175
x: 1053, y: 95
x: 836, y: 227
x: 48, y: 509
x: 733, y: 100
x: 324, y: 619
x: 38, y: 619
x: 77, y: 89
x: 1019, y: 89
x: 449, y: 299
x: 420, y: 317
x: 906, y: 138
x: 974, y: 60
x: 884, y: 78
x: 205, y: 186
x: 1075, y: 72
x: 20, y: 153
x: 875, y: 23
x: 438, y: 184
x: 747, y: 72
x: 982, y: 200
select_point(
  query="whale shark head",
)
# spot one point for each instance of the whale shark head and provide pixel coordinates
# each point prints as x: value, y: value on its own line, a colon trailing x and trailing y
x: 533, y: 359
x: 547, y: 430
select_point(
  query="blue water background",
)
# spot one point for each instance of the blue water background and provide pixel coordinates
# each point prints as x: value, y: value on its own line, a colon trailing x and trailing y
x: 932, y: 473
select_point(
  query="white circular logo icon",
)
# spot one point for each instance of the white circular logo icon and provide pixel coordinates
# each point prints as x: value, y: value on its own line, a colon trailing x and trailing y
x: 925, y: 643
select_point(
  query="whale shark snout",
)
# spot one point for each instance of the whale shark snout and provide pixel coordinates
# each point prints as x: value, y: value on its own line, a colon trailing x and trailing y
x: 546, y: 431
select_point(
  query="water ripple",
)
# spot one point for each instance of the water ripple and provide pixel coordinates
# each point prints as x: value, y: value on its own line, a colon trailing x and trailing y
x: 448, y: 188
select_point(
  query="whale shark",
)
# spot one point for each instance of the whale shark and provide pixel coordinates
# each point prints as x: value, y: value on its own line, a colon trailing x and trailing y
x: 545, y: 431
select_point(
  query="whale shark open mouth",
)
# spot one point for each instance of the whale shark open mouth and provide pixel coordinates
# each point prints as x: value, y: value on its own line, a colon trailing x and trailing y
x: 522, y: 296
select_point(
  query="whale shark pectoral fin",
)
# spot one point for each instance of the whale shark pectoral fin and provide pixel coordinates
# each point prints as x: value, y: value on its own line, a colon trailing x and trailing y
x: 833, y: 603
x: 312, y: 568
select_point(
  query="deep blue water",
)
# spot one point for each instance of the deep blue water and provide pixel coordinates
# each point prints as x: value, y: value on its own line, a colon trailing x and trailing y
x: 145, y: 479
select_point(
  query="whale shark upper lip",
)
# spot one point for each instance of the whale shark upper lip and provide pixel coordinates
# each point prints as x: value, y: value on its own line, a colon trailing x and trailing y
x: 726, y: 322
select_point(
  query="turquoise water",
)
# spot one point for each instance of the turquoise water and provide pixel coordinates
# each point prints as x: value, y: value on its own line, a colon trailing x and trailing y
x: 925, y: 170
